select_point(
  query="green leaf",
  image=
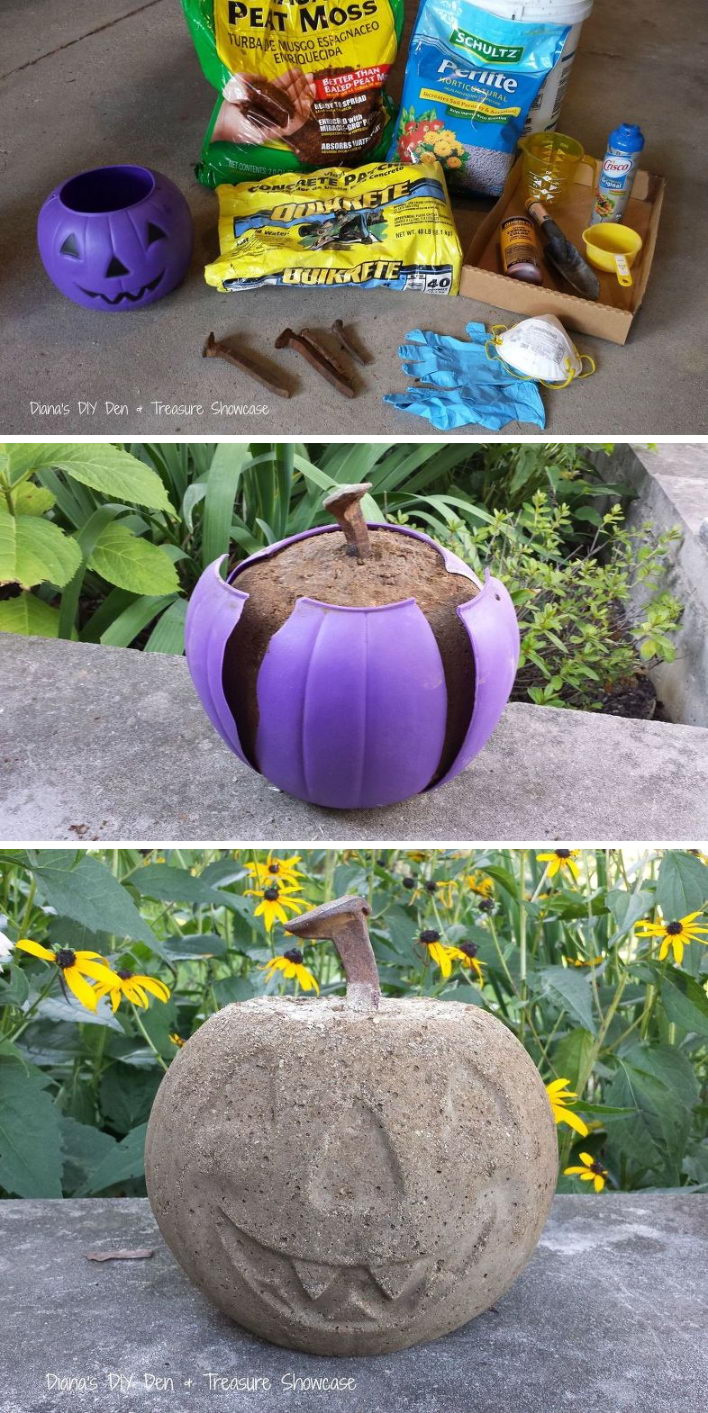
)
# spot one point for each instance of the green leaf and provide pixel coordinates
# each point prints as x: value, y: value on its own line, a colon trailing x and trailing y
x: 126, y: 626
x: 176, y: 885
x: 29, y: 499
x: 84, y: 1148
x: 133, y: 563
x: 682, y: 885
x: 85, y: 889
x: 30, y: 1134
x: 571, y: 1056
x: 168, y: 634
x: 232, y: 988
x: 15, y: 990
x: 221, y: 486
x: 29, y: 615
x: 658, y: 1083
x: 103, y: 467
x: 32, y: 550
x: 127, y: 1095
x: 571, y: 990
x: 58, y: 1008
x: 123, y: 1163
x: 202, y: 944
x: 685, y: 1001
x: 628, y: 908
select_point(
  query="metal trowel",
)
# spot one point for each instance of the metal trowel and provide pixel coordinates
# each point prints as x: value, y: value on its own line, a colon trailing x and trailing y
x: 561, y: 253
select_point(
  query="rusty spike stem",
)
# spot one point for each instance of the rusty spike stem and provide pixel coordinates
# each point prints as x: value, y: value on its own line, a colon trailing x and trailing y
x: 344, y: 923
x: 351, y: 343
x: 345, y: 505
x: 213, y: 349
x: 325, y: 363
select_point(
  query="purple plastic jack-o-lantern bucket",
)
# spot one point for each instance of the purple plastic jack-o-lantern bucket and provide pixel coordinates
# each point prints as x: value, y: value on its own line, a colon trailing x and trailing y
x: 115, y: 238
x: 353, y: 667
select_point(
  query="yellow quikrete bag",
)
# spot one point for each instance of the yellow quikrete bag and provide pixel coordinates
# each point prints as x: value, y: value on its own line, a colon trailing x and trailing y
x: 383, y: 225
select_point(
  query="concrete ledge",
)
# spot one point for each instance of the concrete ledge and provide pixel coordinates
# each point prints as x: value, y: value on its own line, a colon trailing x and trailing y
x: 112, y: 744
x: 607, y: 1315
x: 671, y: 481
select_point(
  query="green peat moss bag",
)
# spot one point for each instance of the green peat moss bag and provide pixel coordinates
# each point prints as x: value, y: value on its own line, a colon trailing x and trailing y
x: 301, y: 85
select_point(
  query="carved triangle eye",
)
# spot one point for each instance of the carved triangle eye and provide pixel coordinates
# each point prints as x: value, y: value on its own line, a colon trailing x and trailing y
x: 70, y: 247
x: 155, y: 233
x: 314, y: 1276
x: 116, y: 268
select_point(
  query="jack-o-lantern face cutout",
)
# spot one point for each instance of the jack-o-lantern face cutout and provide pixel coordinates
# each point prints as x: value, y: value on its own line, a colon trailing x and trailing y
x: 343, y: 1185
x: 116, y: 238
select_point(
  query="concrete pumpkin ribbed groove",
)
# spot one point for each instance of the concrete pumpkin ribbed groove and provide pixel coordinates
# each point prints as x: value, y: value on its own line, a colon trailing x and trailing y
x: 353, y: 702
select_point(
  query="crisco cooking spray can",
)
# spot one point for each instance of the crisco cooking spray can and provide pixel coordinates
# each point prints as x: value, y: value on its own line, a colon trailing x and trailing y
x: 617, y: 173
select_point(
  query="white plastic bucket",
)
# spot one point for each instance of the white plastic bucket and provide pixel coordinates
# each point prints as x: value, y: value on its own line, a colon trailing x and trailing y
x: 545, y: 111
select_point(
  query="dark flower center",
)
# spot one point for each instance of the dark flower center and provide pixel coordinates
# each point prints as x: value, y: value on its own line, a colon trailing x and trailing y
x: 272, y: 894
x: 294, y: 955
x: 470, y: 949
x: 274, y: 868
x: 598, y: 1168
x: 673, y: 928
x: 124, y: 975
x: 409, y: 882
x: 430, y: 886
x: 429, y: 936
x: 486, y: 905
x: 562, y: 853
x: 65, y: 958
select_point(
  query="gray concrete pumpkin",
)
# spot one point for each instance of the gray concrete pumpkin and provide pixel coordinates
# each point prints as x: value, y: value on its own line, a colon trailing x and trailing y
x: 351, y: 1175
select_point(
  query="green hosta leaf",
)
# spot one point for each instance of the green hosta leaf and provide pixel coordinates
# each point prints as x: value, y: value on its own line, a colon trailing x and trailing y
x: 103, y: 467
x: 32, y: 550
x: 571, y: 990
x: 125, y: 1161
x: 130, y: 562
x: 84, y: 889
x: 29, y: 499
x: 29, y: 615
x: 658, y: 1082
x: 30, y: 1135
x: 685, y: 1002
x: 682, y: 885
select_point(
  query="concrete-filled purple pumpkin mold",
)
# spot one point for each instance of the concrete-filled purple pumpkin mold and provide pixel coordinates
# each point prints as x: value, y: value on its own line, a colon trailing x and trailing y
x: 353, y: 665
x: 115, y: 238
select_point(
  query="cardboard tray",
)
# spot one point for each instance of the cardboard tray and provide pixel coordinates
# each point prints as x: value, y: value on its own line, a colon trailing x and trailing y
x: 611, y: 316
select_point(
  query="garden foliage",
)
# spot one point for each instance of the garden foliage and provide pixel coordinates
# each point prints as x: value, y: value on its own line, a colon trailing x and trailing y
x: 577, y: 952
x: 105, y: 543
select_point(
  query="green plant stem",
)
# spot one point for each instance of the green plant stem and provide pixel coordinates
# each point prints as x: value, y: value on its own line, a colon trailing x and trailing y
x: 523, y: 989
x: 147, y: 1039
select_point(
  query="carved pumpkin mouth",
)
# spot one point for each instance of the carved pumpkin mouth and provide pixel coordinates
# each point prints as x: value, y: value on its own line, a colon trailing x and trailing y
x: 358, y: 1294
x: 124, y: 294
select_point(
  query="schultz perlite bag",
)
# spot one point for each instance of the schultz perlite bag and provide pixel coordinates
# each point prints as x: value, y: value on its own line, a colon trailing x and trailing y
x: 470, y: 81
x: 300, y: 83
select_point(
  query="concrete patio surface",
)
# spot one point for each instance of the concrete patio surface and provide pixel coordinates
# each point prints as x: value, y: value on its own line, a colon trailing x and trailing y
x: 112, y: 744
x: 101, y: 81
x: 608, y: 1315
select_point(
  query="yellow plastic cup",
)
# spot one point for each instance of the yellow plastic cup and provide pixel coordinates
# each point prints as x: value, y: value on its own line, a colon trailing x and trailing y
x: 550, y: 161
x: 613, y: 247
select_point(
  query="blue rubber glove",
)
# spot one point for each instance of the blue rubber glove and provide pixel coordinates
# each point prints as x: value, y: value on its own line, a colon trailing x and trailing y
x: 467, y: 386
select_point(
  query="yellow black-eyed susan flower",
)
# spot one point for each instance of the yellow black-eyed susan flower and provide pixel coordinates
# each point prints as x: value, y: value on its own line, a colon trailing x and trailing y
x: 559, y: 1095
x: 74, y: 967
x: 293, y: 968
x: 590, y: 1171
x: 177, y: 1040
x: 275, y: 870
x: 135, y: 988
x: 582, y: 961
x: 442, y: 953
x: 471, y: 960
x: 559, y: 861
x: 674, y: 935
x: 480, y: 884
x: 275, y: 899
